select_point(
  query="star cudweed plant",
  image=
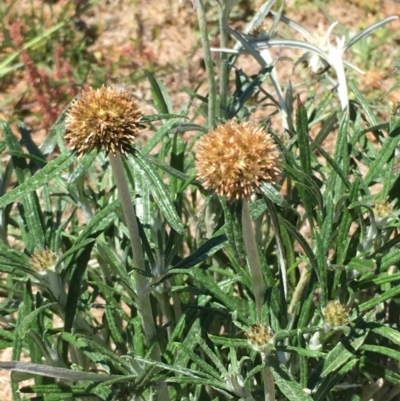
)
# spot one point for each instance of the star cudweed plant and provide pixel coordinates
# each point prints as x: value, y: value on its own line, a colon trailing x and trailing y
x: 108, y: 119
x: 241, y: 245
x: 234, y: 160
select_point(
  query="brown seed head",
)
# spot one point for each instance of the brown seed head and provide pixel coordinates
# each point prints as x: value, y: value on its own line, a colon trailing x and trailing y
x: 234, y: 159
x: 259, y: 337
x: 106, y: 118
x: 43, y: 260
x: 336, y: 314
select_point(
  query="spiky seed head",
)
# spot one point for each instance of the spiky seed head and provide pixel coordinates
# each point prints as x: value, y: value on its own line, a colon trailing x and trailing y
x: 43, y: 260
x: 235, y: 158
x: 260, y: 336
x: 336, y: 314
x: 103, y: 119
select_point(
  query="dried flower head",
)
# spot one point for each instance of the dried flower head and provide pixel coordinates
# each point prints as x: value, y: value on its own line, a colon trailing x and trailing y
x: 106, y: 118
x: 260, y: 337
x: 43, y: 260
x: 235, y: 158
x: 336, y: 314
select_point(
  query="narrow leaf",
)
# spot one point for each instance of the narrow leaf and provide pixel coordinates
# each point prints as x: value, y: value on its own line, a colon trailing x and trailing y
x: 51, y: 170
x: 158, y: 190
x: 286, y: 383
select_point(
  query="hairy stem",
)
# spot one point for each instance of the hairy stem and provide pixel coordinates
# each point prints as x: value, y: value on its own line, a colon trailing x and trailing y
x: 305, y: 275
x: 223, y: 64
x: 253, y: 259
x: 269, y: 382
x: 201, y: 16
x: 142, y: 290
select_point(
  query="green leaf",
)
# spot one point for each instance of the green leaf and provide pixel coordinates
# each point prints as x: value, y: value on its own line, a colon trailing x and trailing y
x: 31, y: 214
x: 337, y: 169
x: 164, y: 116
x: 249, y: 48
x: 340, y: 355
x: 370, y: 367
x: 201, y: 253
x: 346, y: 223
x: 159, y: 135
x: 272, y: 194
x: 390, y: 294
x: 115, y: 330
x: 328, y: 127
x: 51, y: 170
x: 362, y: 265
x: 229, y: 342
x: 257, y: 208
x: 327, y: 384
x: 302, y: 138
x: 286, y: 383
x: 98, y: 354
x: 26, y: 324
x: 366, y: 108
x: 233, y: 303
x: 233, y: 230
x: 85, y: 162
x: 81, y: 262
x: 386, y: 152
x: 158, y: 94
x: 389, y: 333
x: 187, y: 179
x: 56, y: 392
x: 50, y: 371
x: 158, y: 190
x: 213, y: 357
x: 115, y: 266
x: 207, y: 370
x: 100, y: 221
x: 13, y: 255
x: 303, y: 243
x: 248, y: 92
x: 389, y: 352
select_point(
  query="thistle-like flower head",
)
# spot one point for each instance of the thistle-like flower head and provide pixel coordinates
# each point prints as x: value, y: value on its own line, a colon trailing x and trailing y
x: 384, y: 213
x: 260, y: 337
x: 336, y: 314
x: 235, y: 158
x: 43, y: 260
x: 106, y: 118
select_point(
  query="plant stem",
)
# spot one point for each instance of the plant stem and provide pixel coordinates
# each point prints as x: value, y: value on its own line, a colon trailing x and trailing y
x: 305, y: 274
x: 269, y: 382
x: 223, y: 64
x: 138, y: 259
x: 142, y: 290
x: 201, y: 16
x: 253, y: 259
